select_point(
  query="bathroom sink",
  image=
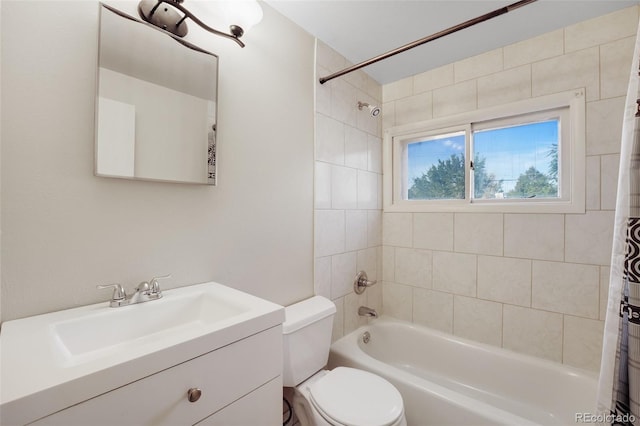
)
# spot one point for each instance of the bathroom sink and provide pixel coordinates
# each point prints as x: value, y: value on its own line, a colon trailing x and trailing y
x: 96, y: 334
x: 58, y: 359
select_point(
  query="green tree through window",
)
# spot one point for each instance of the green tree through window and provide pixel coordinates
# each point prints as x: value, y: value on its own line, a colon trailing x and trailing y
x: 532, y: 183
x: 553, y: 164
x: 445, y: 180
x: 485, y: 184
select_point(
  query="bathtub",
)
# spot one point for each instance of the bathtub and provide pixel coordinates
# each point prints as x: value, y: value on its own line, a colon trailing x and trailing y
x: 447, y: 380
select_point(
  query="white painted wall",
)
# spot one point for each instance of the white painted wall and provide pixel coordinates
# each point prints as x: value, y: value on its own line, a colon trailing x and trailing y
x: 66, y: 230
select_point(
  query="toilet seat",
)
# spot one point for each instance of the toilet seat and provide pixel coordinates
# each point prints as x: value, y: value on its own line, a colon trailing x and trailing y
x: 352, y: 397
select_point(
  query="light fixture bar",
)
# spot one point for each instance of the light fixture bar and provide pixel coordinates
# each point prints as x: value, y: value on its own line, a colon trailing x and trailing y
x: 427, y: 39
x: 170, y: 21
x: 170, y: 34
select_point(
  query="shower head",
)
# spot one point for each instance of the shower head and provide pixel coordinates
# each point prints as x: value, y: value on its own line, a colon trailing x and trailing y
x: 374, y: 110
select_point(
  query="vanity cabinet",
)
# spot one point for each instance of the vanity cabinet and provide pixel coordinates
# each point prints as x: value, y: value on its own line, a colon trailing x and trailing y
x: 257, y: 408
x: 238, y: 384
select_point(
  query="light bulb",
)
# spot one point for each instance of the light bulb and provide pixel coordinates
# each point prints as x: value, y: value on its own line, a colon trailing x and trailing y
x: 242, y: 13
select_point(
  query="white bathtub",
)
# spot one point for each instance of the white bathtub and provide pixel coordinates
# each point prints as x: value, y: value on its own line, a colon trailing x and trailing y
x: 447, y: 380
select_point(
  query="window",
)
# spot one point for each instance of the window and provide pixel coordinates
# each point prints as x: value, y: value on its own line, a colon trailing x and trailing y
x: 435, y: 167
x: 517, y: 161
x: 523, y: 157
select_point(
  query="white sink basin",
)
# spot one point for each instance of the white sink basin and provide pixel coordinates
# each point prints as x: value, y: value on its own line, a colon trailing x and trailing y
x: 55, y: 360
x: 96, y: 334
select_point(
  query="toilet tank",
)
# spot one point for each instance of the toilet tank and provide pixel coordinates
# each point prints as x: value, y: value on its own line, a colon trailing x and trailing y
x: 306, y: 338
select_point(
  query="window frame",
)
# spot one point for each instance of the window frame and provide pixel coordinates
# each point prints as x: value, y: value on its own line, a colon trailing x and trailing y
x: 571, y: 156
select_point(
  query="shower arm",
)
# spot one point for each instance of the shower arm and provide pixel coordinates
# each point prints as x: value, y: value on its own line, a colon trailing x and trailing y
x: 427, y: 39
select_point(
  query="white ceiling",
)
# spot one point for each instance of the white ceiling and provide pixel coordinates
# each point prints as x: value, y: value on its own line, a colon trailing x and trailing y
x: 362, y: 29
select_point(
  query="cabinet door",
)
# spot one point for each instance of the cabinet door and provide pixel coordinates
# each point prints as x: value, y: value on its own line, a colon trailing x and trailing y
x: 261, y: 407
x: 223, y: 376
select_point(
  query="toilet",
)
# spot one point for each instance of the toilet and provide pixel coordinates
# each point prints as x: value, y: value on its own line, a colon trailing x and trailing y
x: 340, y: 397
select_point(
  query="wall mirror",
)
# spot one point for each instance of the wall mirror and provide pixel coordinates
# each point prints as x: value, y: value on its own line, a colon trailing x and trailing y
x: 156, y: 104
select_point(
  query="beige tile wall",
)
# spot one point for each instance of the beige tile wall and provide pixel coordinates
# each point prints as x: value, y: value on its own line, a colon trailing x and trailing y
x: 533, y: 283
x: 348, y: 185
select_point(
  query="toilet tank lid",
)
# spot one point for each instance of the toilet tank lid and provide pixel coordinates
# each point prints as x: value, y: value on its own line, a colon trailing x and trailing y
x: 308, y: 311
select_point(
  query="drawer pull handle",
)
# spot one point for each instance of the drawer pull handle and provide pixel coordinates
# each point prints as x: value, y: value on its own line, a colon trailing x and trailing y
x: 194, y: 394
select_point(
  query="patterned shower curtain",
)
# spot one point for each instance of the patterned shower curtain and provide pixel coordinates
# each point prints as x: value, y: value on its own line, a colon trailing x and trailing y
x: 619, y: 385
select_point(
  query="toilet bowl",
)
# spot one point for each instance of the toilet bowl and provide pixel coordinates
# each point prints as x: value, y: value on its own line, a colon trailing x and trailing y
x: 347, y: 396
x: 339, y: 397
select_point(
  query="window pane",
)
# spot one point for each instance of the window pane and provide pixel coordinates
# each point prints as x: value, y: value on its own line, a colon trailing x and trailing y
x: 435, y: 168
x: 517, y: 161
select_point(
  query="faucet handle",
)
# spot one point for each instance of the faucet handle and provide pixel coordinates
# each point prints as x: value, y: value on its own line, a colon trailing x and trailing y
x: 154, y: 286
x: 361, y: 282
x: 118, y: 291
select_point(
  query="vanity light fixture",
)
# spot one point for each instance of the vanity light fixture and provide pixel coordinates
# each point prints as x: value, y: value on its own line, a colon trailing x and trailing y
x: 170, y: 15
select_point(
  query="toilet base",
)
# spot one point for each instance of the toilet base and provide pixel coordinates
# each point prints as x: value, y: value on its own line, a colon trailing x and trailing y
x: 305, y: 412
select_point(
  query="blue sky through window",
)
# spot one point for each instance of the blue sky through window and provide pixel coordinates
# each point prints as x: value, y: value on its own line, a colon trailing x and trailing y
x: 509, y: 151
x: 422, y: 155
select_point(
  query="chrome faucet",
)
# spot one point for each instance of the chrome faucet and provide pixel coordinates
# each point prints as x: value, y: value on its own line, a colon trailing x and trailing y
x: 363, y: 311
x: 144, y: 292
x: 361, y: 282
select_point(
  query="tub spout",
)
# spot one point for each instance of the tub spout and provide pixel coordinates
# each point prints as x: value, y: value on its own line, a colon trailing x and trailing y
x: 363, y: 311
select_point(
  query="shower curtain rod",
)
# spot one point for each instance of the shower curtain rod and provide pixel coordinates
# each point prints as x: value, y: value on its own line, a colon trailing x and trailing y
x: 427, y: 39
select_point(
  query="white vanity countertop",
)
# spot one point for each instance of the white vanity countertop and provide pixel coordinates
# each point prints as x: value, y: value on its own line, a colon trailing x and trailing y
x: 52, y: 361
